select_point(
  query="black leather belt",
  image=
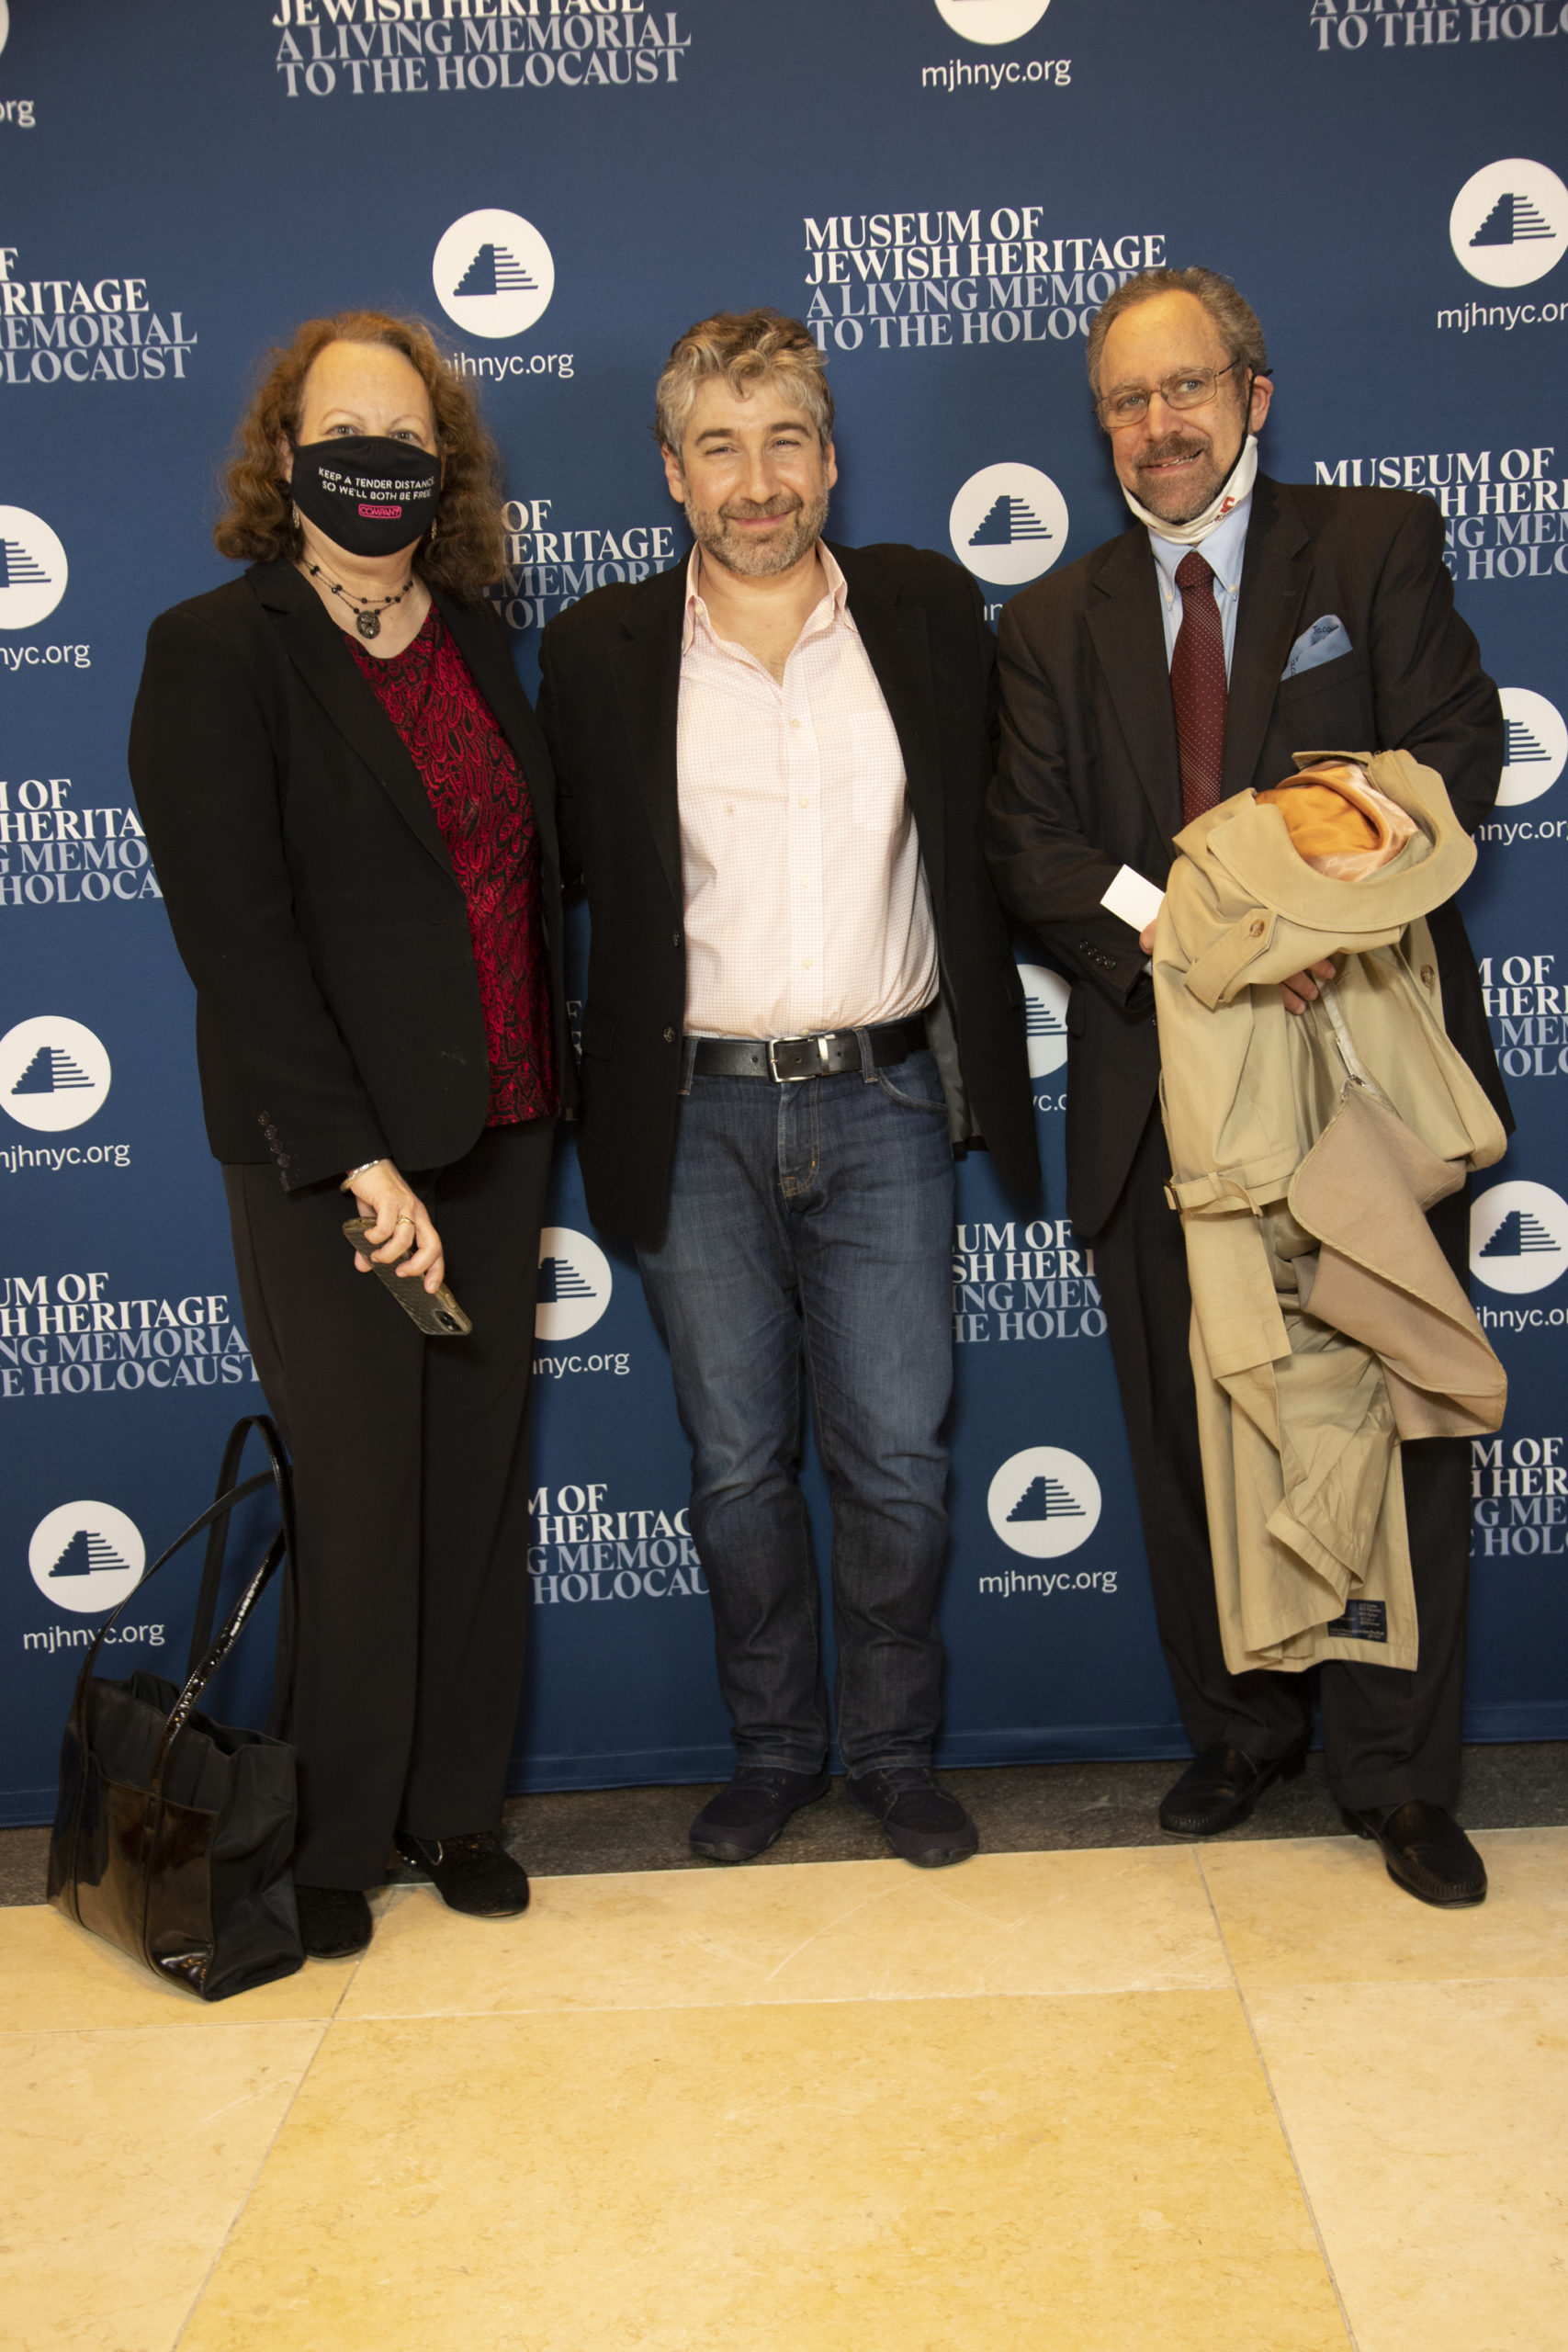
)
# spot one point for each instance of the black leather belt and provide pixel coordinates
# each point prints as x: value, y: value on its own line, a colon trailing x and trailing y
x: 786, y: 1060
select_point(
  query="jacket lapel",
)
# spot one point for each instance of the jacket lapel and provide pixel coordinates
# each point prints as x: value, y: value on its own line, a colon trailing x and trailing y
x: 312, y: 641
x: 487, y: 653
x: 1128, y: 636
x: 1274, y: 576
x: 897, y: 645
x: 645, y: 667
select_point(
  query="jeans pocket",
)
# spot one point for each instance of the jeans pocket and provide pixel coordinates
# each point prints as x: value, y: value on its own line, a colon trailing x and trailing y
x: 916, y: 1083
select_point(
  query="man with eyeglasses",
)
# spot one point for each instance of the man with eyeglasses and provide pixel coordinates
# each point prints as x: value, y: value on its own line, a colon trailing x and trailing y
x: 1238, y: 621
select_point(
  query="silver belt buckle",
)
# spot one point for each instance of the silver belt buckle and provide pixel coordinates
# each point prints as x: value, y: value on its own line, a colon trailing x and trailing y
x: 795, y: 1077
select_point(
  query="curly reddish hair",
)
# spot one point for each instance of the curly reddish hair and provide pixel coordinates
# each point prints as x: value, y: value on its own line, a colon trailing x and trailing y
x: 257, y: 525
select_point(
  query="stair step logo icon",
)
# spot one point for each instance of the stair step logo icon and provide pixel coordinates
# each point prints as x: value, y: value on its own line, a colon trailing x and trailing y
x: 1520, y: 1231
x: 495, y: 270
x: 17, y: 567
x: 33, y: 570
x: 1519, y: 1236
x: 493, y: 274
x: 53, y: 1073
x: 1511, y: 219
x: 1509, y: 222
x: 1537, y: 747
x: 1522, y: 746
x: 1044, y: 1498
x: 1044, y: 1501
x: 1044, y: 1018
x: 991, y: 22
x: 558, y: 1279
x: 1009, y: 523
x: 88, y: 1553
x: 575, y: 1283
x: 50, y: 1070
x: 85, y: 1556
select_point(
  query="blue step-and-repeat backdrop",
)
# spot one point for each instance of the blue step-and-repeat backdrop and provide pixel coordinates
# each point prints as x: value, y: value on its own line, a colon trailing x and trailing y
x: 945, y: 189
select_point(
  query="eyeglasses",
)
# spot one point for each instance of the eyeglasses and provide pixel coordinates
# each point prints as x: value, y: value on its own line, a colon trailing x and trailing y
x: 1189, y: 388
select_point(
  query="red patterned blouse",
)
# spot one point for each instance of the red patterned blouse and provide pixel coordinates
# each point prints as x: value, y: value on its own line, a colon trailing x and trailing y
x: 486, y: 818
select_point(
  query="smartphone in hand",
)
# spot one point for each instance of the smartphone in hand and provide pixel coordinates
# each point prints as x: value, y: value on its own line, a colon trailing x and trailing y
x: 437, y: 1312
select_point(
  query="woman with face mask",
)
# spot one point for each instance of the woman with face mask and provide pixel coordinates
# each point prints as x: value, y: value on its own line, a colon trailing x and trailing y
x: 352, y: 813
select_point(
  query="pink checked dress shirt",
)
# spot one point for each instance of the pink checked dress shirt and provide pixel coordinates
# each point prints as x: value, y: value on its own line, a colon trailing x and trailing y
x: 806, y: 903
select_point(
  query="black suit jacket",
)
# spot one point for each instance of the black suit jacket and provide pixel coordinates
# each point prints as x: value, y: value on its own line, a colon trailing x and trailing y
x: 310, y: 894
x: 1090, y: 777
x: 609, y: 705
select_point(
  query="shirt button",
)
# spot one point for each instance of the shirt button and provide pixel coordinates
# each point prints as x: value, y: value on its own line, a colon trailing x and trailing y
x: 795, y: 724
x: 805, y: 804
x: 1427, y: 974
x: 670, y: 1037
x: 1258, y: 927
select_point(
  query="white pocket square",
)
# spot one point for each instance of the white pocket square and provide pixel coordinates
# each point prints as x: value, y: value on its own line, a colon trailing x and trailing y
x: 1326, y: 640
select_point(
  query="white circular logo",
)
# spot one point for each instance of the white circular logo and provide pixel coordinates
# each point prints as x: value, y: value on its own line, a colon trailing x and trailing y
x: 991, y: 21
x: 53, y: 1073
x: 86, y: 1556
x: 33, y: 570
x: 1536, y: 746
x: 1044, y: 1501
x: 575, y: 1283
x: 1519, y: 1236
x: 494, y: 274
x: 1509, y: 222
x: 1009, y: 523
x: 1045, y: 1018
x: 4, y: 22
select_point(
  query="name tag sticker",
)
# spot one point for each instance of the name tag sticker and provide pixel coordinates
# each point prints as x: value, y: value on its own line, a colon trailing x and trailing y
x: 1133, y: 899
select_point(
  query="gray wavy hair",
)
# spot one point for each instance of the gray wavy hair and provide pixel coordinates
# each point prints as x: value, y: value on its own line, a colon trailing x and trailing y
x: 1231, y: 313
x: 746, y: 347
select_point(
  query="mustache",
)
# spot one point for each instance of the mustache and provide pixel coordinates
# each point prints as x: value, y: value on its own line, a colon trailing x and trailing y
x: 752, y: 510
x: 1174, y: 445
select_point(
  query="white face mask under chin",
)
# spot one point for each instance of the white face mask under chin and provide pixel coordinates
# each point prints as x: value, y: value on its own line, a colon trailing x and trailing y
x: 1226, y: 499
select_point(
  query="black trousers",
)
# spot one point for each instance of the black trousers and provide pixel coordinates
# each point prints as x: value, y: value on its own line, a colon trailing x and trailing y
x: 411, y: 1476
x: 1388, y: 1735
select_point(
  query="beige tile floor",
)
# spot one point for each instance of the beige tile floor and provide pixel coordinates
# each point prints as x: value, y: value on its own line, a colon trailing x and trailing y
x: 1246, y: 2099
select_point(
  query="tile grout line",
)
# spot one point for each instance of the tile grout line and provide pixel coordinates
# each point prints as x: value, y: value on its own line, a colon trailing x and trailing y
x: 238, y: 2215
x: 1274, y: 2103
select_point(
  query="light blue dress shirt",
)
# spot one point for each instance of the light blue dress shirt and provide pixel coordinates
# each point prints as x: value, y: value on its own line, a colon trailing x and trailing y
x: 1222, y: 551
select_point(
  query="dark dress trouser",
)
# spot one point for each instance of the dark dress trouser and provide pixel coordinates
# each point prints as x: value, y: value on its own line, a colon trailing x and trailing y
x: 410, y: 1462
x: 1388, y: 1735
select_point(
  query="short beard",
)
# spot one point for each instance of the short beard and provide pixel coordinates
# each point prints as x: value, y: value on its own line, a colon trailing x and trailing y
x: 712, y: 531
x: 1190, y: 495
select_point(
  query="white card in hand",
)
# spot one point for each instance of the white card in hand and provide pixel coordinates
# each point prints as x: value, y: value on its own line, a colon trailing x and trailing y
x: 1136, y: 900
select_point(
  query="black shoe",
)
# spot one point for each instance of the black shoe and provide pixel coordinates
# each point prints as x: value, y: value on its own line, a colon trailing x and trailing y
x: 923, y: 1824
x: 473, y: 1873
x: 746, y: 1816
x: 1219, y: 1788
x: 334, y: 1921
x: 1427, y: 1851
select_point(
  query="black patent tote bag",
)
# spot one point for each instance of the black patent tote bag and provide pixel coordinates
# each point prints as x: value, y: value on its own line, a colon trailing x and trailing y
x: 172, y: 1833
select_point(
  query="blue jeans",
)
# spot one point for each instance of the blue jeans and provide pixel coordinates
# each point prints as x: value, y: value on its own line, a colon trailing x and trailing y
x: 809, y: 1241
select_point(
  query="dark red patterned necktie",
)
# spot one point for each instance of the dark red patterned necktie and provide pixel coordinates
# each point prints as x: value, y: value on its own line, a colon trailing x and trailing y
x: 1198, y: 688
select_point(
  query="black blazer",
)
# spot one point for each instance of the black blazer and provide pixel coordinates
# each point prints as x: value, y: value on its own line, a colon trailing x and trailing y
x: 310, y: 894
x: 1090, y: 776
x: 609, y: 705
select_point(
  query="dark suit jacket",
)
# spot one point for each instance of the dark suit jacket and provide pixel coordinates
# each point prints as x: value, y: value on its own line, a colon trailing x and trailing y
x: 310, y: 894
x: 1090, y: 778
x: 609, y: 705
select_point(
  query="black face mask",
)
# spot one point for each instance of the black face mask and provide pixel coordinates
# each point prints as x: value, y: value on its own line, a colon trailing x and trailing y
x: 371, y: 496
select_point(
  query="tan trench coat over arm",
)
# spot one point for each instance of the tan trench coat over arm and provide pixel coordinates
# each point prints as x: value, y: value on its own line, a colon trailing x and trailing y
x: 1305, y: 1151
